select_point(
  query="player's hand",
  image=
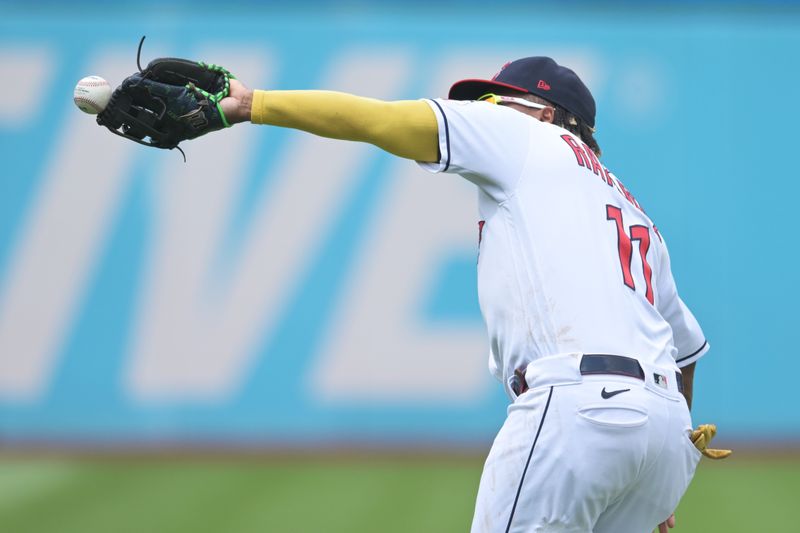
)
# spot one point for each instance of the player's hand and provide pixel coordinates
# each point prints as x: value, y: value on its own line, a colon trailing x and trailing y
x: 669, y: 523
x: 238, y: 105
x: 701, y: 437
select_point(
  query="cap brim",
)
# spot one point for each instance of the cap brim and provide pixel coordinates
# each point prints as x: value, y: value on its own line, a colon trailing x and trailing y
x: 474, y: 89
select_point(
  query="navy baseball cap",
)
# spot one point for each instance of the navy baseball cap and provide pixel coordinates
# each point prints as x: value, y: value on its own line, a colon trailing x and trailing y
x: 535, y: 75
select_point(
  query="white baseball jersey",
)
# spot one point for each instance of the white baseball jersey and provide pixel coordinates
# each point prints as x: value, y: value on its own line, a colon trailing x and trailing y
x: 568, y: 260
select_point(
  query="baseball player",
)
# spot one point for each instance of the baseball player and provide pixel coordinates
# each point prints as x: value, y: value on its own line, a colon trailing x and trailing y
x: 587, y: 333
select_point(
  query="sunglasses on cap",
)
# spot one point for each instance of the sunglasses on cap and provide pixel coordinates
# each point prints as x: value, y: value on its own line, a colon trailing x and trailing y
x: 499, y: 99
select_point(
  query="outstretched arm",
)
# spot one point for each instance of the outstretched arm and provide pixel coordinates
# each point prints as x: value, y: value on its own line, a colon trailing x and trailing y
x: 404, y: 128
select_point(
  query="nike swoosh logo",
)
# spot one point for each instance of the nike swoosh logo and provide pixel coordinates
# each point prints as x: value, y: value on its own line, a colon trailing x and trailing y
x: 607, y: 395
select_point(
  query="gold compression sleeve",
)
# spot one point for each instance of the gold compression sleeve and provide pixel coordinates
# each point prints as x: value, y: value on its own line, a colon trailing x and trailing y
x: 405, y: 128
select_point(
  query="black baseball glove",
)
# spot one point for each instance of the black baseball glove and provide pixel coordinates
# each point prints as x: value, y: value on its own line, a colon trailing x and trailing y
x: 169, y: 101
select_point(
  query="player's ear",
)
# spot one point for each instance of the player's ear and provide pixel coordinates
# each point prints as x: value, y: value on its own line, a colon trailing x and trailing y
x: 548, y: 114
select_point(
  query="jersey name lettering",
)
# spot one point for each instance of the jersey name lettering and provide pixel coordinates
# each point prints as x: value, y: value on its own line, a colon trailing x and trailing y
x: 587, y: 159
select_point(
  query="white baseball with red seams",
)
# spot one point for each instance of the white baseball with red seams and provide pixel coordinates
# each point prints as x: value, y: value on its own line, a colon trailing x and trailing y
x: 92, y: 94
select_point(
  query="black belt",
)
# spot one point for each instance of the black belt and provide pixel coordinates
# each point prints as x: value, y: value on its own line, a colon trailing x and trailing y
x: 595, y: 363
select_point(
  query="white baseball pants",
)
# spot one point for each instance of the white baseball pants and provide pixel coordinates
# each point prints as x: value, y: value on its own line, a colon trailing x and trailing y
x: 569, y: 459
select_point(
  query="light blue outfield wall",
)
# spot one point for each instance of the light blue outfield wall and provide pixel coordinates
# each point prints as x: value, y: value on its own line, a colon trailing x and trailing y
x: 278, y: 288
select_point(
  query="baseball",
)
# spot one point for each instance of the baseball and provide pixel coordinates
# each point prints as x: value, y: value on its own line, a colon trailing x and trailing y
x: 92, y: 94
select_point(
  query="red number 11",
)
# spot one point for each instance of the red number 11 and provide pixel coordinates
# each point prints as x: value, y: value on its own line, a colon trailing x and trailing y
x: 625, y: 247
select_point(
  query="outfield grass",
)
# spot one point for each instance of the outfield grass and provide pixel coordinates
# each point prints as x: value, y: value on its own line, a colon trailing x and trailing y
x: 298, y: 495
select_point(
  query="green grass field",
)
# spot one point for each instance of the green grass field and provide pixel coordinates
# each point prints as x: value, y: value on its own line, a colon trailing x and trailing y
x: 331, y: 495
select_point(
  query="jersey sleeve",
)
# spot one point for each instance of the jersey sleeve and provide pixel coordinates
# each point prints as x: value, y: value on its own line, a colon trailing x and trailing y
x: 687, y: 335
x: 488, y: 144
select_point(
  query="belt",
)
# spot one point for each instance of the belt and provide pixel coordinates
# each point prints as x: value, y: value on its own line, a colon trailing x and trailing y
x: 594, y: 364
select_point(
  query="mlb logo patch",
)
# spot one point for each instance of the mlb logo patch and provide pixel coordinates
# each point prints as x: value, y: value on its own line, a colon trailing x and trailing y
x: 660, y: 380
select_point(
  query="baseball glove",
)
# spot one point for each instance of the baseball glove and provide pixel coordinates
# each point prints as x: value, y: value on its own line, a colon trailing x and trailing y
x: 701, y: 438
x: 170, y: 101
